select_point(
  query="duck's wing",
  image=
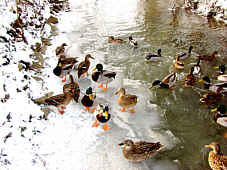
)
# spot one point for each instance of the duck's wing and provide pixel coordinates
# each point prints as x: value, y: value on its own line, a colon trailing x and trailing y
x: 109, y: 74
x: 146, y: 147
x: 168, y: 78
x: 129, y: 99
x: 55, y: 100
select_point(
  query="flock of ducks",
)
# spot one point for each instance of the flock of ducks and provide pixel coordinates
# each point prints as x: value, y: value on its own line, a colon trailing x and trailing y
x: 141, y: 150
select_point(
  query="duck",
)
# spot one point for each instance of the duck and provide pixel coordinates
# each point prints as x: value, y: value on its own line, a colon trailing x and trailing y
x: 178, y: 64
x: 208, y: 57
x: 212, y: 87
x: 111, y: 39
x: 126, y: 100
x: 212, y: 97
x: 197, y: 68
x: 186, y: 55
x: 132, y: 42
x: 88, y: 99
x: 139, y: 151
x: 190, y: 79
x: 167, y: 82
x: 216, y: 159
x: 84, y: 66
x: 222, y: 76
x: 220, y: 117
x: 154, y: 57
x: 64, y: 66
x: 60, y: 101
x: 102, y: 76
x: 102, y: 116
x: 72, y: 87
x: 60, y: 50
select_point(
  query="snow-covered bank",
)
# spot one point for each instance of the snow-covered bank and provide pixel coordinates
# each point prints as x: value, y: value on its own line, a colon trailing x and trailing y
x: 209, y: 8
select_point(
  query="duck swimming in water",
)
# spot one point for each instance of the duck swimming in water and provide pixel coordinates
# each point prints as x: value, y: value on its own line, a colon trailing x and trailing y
x: 132, y: 42
x: 208, y: 57
x: 220, y: 117
x: 167, y: 82
x: 102, y: 76
x: 154, y: 57
x: 222, y: 76
x: 186, y: 55
x: 190, y: 79
x: 111, y: 39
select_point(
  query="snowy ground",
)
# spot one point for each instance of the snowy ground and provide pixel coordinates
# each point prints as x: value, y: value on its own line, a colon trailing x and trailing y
x: 62, y: 141
x: 205, y: 8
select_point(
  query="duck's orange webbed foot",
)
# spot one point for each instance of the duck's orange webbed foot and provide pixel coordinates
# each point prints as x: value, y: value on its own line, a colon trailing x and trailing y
x: 132, y: 111
x: 104, y: 89
x: 95, y: 124
x: 100, y: 86
x: 106, y: 127
x: 61, y: 111
x: 123, y: 110
x: 87, y: 108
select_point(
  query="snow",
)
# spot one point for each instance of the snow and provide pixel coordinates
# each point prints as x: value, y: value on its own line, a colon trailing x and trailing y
x: 66, y: 141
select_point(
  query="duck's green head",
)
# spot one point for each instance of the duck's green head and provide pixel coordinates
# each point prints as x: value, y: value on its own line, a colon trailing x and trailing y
x: 58, y: 69
x: 89, y: 93
x: 99, y: 67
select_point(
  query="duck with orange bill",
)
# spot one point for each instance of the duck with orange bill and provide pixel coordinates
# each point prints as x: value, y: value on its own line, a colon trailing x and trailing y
x: 102, y: 116
x: 88, y: 99
x: 102, y: 76
x: 84, y: 66
x: 64, y: 67
x: 126, y: 101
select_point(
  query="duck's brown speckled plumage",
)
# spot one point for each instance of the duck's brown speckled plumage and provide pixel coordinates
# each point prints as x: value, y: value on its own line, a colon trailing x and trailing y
x: 139, y: 151
x: 84, y: 65
x: 207, y: 57
x: 190, y: 78
x: 216, y: 159
x: 211, y: 97
x: 126, y: 100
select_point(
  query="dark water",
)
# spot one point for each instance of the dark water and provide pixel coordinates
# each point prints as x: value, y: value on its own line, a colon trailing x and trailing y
x: 154, y: 26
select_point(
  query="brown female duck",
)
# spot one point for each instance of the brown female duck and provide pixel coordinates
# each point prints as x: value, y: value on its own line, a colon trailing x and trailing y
x: 189, y: 79
x: 139, y: 151
x: 60, y: 50
x: 216, y: 159
x: 111, y: 39
x: 84, y: 66
x: 207, y: 57
x: 212, y: 97
x: 126, y: 100
x: 73, y: 88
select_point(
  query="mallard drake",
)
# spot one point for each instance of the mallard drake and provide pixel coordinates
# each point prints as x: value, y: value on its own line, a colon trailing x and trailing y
x: 190, y: 79
x: 178, y: 64
x: 197, y: 68
x: 222, y: 76
x: 84, y: 66
x: 73, y: 88
x: 60, y: 50
x: 132, y: 42
x: 186, y: 55
x: 102, y: 76
x: 154, y: 57
x: 111, y: 39
x: 212, y: 97
x: 212, y: 87
x: 64, y: 66
x: 88, y: 99
x: 207, y: 57
x: 167, y: 82
x: 102, y: 116
x: 126, y: 100
x: 216, y: 159
x: 220, y: 117
x: 139, y: 151
x: 60, y: 101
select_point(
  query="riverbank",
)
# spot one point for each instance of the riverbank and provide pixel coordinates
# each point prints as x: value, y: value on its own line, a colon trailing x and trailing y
x: 212, y: 9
